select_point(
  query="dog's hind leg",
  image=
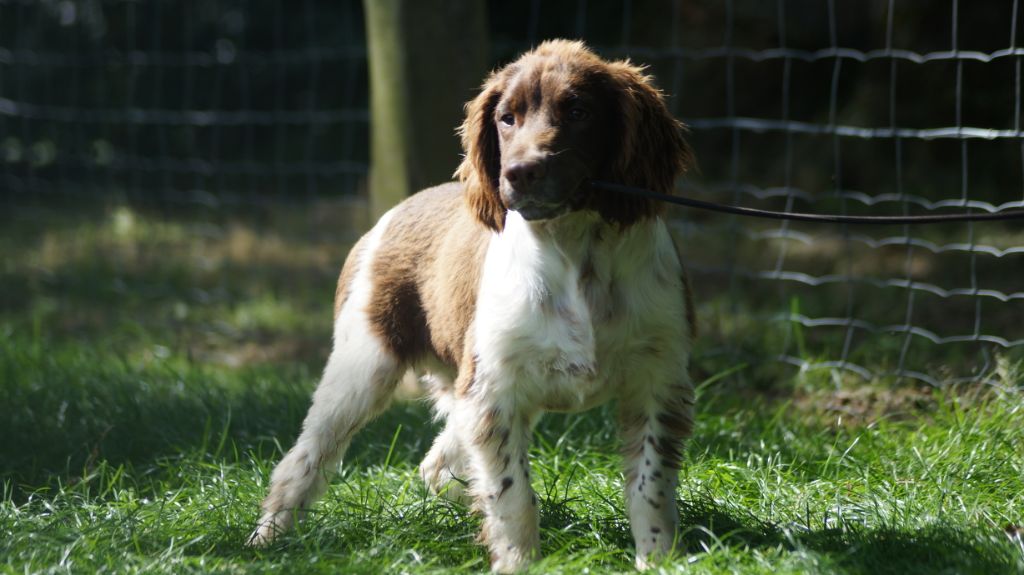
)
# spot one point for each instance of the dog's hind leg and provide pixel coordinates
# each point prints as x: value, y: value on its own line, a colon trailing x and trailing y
x: 358, y: 383
x: 444, y: 467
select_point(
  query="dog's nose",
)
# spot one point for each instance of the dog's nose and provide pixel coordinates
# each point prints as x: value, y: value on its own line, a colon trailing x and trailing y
x: 524, y: 173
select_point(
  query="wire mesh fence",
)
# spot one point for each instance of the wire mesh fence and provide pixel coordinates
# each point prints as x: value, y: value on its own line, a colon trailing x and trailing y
x: 166, y: 102
x: 880, y: 107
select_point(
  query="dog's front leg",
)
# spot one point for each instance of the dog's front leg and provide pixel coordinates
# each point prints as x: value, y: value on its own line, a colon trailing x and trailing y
x: 496, y: 436
x: 655, y: 422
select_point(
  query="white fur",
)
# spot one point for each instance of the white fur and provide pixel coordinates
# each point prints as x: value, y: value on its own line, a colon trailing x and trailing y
x: 537, y: 321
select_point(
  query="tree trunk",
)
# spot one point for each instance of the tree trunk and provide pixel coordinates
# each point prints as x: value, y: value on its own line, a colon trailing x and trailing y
x: 426, y: 58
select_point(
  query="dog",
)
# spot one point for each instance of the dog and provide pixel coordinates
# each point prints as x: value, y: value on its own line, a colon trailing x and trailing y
x: 519, y: 290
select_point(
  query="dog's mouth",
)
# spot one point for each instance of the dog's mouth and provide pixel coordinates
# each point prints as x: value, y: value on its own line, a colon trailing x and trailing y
x: 537, y: 209
x: 533, y: 211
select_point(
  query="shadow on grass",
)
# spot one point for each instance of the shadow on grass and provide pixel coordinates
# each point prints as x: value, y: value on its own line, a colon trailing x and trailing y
x: 69, y: 408
x: 707, y: 527
x: 854, y: 549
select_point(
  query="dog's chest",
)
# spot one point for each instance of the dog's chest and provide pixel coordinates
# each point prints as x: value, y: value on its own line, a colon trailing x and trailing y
x: 567, y: 324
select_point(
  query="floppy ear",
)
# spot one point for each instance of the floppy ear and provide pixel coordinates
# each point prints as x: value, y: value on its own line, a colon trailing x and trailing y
x: 481, y: 165
x: 653, y: 152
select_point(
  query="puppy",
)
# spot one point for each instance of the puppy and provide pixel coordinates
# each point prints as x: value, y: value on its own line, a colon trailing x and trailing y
x: 516, y: 291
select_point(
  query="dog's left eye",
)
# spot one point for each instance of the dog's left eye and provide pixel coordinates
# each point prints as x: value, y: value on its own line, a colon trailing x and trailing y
x: 577, y: 114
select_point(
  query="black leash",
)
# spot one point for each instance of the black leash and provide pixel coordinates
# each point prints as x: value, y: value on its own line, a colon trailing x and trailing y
x: 829, y: 218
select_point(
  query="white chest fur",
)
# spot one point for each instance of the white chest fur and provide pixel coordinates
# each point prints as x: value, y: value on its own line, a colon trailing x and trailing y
x: 571, y: 310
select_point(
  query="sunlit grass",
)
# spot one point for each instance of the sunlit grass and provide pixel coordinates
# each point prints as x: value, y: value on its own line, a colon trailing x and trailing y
x: 152, y: 369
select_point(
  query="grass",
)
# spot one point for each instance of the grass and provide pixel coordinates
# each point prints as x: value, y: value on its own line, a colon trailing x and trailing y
x: 153, y: 369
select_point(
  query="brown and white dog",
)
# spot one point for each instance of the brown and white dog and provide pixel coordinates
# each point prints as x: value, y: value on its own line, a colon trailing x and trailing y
x: 519, y: 290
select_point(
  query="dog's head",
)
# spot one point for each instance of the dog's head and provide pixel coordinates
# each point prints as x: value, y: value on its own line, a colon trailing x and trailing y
x: 557, y: 117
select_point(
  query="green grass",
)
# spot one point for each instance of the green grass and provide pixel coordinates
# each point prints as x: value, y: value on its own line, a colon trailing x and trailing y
x: 152, y: 370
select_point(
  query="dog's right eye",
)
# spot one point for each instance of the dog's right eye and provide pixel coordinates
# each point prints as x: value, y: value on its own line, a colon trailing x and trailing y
x: 508, y: 119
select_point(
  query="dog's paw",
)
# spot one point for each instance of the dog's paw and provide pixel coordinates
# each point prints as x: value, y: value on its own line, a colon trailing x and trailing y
x: 269, y: 527
x: 441, y: 481
x: 512, y: 560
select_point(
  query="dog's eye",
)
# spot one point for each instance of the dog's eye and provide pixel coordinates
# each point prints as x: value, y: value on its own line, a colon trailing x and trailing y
x: 508, y: 119
x: 577, y: 114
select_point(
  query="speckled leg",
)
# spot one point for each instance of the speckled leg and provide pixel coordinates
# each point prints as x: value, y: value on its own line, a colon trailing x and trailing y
x: 496, y: 439
x: 654, y: 426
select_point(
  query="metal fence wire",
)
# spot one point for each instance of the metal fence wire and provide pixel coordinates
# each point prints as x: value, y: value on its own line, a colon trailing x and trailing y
x: 217, y: 103
x: 854, y: 107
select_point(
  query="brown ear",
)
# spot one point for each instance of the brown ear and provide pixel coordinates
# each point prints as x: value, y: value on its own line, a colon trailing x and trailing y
x: 653, y: 152
x: 481, y: 165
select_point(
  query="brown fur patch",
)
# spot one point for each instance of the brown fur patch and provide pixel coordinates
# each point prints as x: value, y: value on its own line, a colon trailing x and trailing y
x: 676, y: 425
x: 653, y: 151
x: 426, y: 274
x: 487, y: 426
x: 480, y: 169
x: 467, y: 371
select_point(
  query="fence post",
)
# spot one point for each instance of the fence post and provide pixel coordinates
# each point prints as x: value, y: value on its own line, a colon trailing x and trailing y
x: 426, y: 58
